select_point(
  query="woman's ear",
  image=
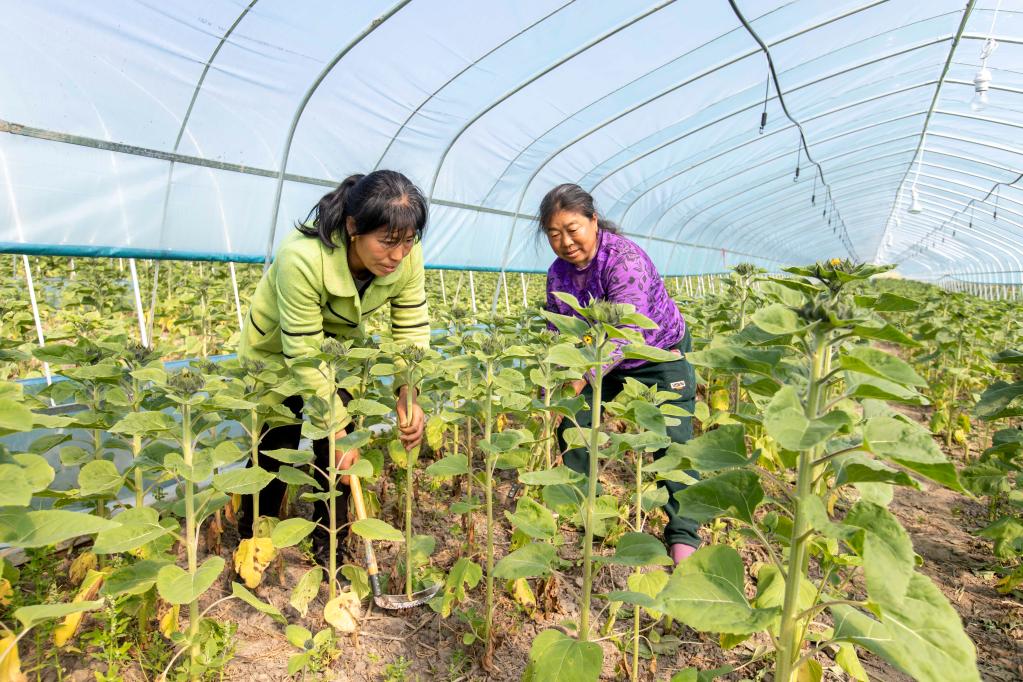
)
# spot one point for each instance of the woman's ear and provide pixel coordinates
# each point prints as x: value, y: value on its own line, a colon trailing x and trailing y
x: 350, y: 226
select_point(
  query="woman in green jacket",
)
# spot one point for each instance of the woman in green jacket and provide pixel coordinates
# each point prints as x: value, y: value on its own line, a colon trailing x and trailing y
x: 357, y: 251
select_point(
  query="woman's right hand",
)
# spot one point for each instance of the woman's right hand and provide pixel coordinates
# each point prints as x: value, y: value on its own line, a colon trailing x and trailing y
x: 345, y: 459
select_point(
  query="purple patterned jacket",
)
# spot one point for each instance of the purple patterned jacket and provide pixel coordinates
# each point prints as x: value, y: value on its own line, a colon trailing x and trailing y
x: 621, y: 272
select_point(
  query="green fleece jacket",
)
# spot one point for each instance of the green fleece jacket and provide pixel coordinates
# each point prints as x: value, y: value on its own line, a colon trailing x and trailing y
x: 308, y: 293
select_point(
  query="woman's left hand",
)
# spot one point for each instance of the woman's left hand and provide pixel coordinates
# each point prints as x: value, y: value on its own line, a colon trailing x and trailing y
x: 410, y: 426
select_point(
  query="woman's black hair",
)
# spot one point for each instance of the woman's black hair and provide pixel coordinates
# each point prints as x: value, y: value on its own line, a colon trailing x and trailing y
x: 382, y: 199
x: 574, y: 199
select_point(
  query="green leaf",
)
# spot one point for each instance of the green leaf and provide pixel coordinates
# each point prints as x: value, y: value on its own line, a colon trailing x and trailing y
x: 100, y: 478
x: 771, y: 590
x: 144, y: 424
x: 867, y: 386
x: 636, y: 351
x: 370, y: 408
x: 138, y: 527
x: 291, y: 531
x: 532, y: 560
x: 637, y: 549
x: 777, y: 319
x: 30, y: 616
x: 874, y: 362
x: 255, y: 602
x: 893, y: 303
x: 859, y: 468
x: 888, y: 558
x: 300, y: 637
x: 14, y: 416
x: 375, y: 529
x: 178, y: 586
x: 19, y: 528
x: 911, y: 446
x: 556, y: 657
x: 735, y: 493
x: 885, y: 332
x: 243, y: 481
x: 452, y: 465
x: 707, y: 593
x: 567, y: 355
x: 290, y: 456
x: 293, y: 476
x: 14, y: 488
x: 533, y: 519
x: 722, y: 448
x: 134, y: 578
x: 306, y: 589
x: 1008, y: 357
x: 785, y: 421
x: 923, y: 638
x: 559, y: 475
x: 995, y: 400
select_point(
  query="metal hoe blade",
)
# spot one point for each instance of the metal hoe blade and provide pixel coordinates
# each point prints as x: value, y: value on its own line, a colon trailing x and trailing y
x: 397, y: 602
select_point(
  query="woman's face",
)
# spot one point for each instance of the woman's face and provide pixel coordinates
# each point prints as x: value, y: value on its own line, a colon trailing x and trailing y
x: 380, y: 251
x: 573, y: 237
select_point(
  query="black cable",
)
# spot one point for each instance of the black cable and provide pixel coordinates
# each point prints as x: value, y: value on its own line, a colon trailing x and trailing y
x: 784, y: 108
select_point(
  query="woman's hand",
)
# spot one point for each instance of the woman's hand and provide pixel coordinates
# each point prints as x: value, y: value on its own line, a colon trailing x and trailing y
x: 345, y: 459
x: 577, y: 387
x: 410, y: 426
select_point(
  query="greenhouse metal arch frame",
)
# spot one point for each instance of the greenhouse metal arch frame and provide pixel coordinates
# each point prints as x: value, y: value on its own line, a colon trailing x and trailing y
x: 618, y: 135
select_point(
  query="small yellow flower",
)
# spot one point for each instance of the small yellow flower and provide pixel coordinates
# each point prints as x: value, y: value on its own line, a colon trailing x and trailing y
x: 587, y: 339
x: 835, y: 262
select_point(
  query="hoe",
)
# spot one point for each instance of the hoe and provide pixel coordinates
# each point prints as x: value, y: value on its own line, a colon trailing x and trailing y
x: 392, y: 602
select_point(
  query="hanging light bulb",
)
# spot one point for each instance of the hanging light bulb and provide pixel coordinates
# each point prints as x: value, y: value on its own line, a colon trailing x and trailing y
x: 915, y: 206
x: 981, y: 85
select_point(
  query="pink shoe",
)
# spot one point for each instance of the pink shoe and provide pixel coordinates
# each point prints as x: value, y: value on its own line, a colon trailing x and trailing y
x: 680, y: 552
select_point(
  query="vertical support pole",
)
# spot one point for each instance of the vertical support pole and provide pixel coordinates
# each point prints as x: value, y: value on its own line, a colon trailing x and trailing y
x: 443, y: 289
x: 152, y: 301
x: 458, y: 288
x: 237, y: 299
x: 35, y: 316
x: 504, y: 285
x: 472, y: 293
x: 138, y: 302
x: 525, y: 298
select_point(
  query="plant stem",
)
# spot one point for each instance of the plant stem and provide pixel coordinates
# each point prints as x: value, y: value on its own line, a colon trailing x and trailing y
x: 332, y: 490
x: 489, y: 494
x: 409, y: 464
x: 639, y: 529
x: 789, y: 640
x: 591, y: 497
x: 254, y: 454
x: 191, y: 532
x: 140, y: 486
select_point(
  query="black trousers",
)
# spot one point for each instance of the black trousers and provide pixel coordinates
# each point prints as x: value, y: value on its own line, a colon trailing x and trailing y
x: 272, y: 496
x: 677, y: 376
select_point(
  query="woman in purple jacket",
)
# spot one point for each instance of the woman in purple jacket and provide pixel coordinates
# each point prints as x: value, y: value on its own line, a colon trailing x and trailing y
x: 595, y: 262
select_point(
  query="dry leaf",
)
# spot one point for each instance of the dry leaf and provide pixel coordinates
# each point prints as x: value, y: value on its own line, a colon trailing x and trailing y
x: 251, y: 559
x: 169, y: 621
x: 5, y: 592
x: 343, y: 612
x: 80, y: 567
x: 63, y: 633
x: 10, y: 664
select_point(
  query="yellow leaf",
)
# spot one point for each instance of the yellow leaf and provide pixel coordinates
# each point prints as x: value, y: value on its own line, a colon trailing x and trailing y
x: 80, y: 567
x: 63, y: 633
x: 236, y: 501
x: 251, y: 559
x: 343, y: 612
x: 5, y: 592
x: 523, y: 594
x: 810, y: 671
x: 10, y: 664
x: 502, y: 422
x: 169, y: 621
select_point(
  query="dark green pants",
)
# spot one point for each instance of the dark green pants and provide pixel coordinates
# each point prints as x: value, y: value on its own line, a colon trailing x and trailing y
x: 680, y: 373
